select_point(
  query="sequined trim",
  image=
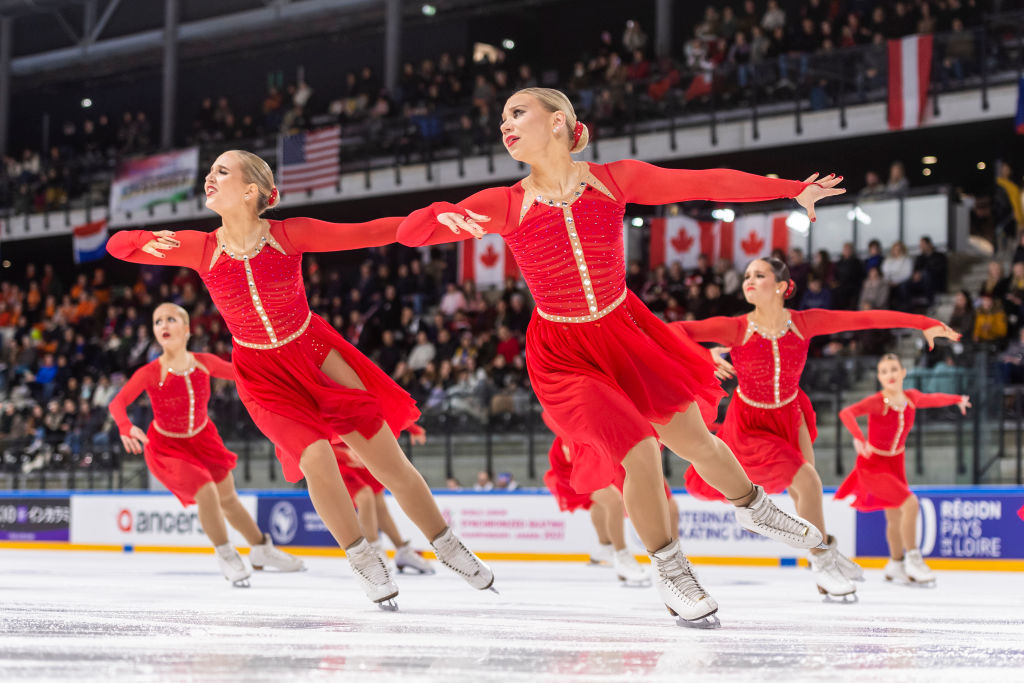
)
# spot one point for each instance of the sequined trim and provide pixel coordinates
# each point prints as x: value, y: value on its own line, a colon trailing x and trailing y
x: 773, y: 339
x: 879, y: 451
x: 276, y: 343
x: 181, y: 435
x: 584, y: 318
x: 899, y: 427
x: 766, y: 406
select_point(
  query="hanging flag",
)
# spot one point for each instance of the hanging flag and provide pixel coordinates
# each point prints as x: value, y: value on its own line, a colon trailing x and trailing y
x: 700, y: 86
x: 754, y: 236
x: 309, y: 160
x: 910, y: 67
x: 486, y: 261
x: 1019, y: 122
x: 682, y: 239
x: 89, y: 241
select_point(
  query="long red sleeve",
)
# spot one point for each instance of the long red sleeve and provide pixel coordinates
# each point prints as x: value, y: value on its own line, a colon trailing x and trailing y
x: 138, y: 383
x: 310, y: 234
x: 922, y: 400
x: 643, y: 183
x: 127, y: 246
x: 215, y: 366
x: 817, y: 321
x: 865, y: 406
x: 718, y: 330
x: 421, y: 228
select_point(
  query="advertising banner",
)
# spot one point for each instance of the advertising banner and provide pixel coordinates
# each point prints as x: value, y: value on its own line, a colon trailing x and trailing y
x: 962, y: 524
x: 142, y: 183
x: 157, y: 520
x: 291, y: 520
x: 34, y: 519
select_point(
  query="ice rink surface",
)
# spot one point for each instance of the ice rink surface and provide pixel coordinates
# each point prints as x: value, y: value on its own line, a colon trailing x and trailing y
x: 171, y: 617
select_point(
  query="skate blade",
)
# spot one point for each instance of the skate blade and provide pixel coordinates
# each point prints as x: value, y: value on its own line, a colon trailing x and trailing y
x: 388, y: 605
x: 415, y: 571
x: 241, y: 583
x: 921, y: 584
x: 636, y: 583
x: 708, y: 621
x: 845, y: 599
x: 493, y: 589
x: 598, y: 563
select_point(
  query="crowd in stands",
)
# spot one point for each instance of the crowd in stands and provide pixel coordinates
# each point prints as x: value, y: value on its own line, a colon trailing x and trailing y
x: 453, y: 102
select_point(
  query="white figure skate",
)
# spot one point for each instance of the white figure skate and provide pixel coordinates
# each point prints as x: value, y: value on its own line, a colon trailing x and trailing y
x: 408, y: 559
x: 233, y: 565
x: 267, y: 555
x: 895, y: 571
x: 917, y: 571
x: 453, y: 554
x: 830, y: 579
x: 373, y: 575
x: 602, y: 557
x: 762, y: 517
x: 629, y: 571
x: 849, y: 568
x: 683, y: 595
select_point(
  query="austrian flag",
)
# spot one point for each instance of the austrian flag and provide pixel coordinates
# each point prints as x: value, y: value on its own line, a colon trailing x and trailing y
x: 486, y: 261
x: 910, y: 67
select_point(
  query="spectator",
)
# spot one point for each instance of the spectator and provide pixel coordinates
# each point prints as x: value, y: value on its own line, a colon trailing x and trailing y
x: 897, y: 267
x: 1007, y: 210
x: 933, y: 263
x: 849, y: 275
x: 483, y: 482
x: 873, y: 186
x: 897, y: 183
x: 962, y: 317
x: 1010, y: 367
x: 505, y: 482
x: 995, y: 284
x: 816, y: 296
x: 990, y: 321
x: 874, y: 293
x: 452, y: 301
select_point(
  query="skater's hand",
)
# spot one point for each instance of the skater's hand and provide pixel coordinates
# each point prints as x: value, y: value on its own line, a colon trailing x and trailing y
x: 162, y: 240
x: 964, y: 404
x: 861, y: 448
x: 819, y: 189
x: 134, y: 440
x: 723, y: 368
x: 456, y: 222
x: 418, y: 438
x: 942, y: 331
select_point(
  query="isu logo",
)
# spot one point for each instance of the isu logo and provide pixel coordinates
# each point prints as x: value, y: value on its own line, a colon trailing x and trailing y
x: 284, y: 522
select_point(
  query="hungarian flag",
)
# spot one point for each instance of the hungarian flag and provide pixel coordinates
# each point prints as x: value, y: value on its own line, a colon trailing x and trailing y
x: 682, y: 239
x: 89, y: 241
x: 754, y: 236
x: 486, y: 261
x: 910, y: 67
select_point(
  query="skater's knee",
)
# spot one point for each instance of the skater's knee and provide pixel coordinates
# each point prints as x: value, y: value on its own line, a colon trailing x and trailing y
x: 606, y: 497
x: 910, y: 505
x: 364, y: 498
x: 806, y: 479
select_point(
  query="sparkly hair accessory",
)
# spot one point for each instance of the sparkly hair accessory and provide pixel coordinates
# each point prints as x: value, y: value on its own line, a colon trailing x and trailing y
x: 790, y: 289
x: 576, y: 133
x: 273, y: 196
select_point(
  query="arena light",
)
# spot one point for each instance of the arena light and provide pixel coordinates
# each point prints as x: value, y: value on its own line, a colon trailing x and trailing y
x: 981, y: 165
x: 428, y: 10
x: 858, y: 213
x: 637, y: 222
x: 926, y: 171
x: 6, y: 263
x: 724, y: 215
x: 771, y: 175
x: 798, y: 221
x: 508, y: 44
x: 86, y: 103
x: 929, y: 160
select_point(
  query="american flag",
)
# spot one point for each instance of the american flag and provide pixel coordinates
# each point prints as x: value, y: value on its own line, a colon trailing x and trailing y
x: 310, y: 160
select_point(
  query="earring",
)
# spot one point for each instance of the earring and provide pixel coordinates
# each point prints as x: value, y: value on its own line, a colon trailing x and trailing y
x: 247, y: 197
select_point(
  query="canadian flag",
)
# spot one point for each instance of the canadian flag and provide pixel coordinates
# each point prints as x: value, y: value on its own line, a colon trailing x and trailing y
x: 910, y: 67
x: 682, y: 239
x: 754, y: 236
x: 486, y: 261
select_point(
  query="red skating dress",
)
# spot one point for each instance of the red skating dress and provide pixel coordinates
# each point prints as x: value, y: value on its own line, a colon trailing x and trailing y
x: 762, y: 424
x: 880, y: 481
x: 354, y: 473
x: 279, y: 344
x: 184, y: 450
x: 600, y: 362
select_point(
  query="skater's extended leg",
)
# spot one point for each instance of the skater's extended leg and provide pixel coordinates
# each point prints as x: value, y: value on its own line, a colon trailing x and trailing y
x: 644, y: 494
x: 597, y: 518
x: 235, y: 512
x: 609, y: 502
x: 894, y: 532
x: 673, y: 518
x: 908, y: 523
x: 366, y: 511
x: 210, y: 514
x: 386, y: 522
x: 327, y: 493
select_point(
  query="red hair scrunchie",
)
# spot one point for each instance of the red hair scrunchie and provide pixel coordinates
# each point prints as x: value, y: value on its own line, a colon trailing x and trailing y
x: 273, y: 196
x: 577, y: 131
x: 789, y: 289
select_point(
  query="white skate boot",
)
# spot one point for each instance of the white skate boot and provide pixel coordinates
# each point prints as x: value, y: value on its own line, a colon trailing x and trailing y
x: 378, y: 545
x: 683, y: 595
x: 629, y: 570
x: 848, y: 567
x: 831, y: 582
x: 266, y: 555
x: 894, y: 571
x: 762, y: 517
x: 407, y: 558
x: 602, y: 557
x: 917, y: 571
x: 453, y: 554
x: 372, y: 574
x: 233, y: 565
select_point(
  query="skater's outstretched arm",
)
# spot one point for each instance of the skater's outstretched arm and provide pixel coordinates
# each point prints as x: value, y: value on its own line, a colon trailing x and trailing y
x: 818, y: 321
x: 299, y: 235
x: 216, y: 366
x: 938, y: 400
x: 160, y: 248
x: 724, y: 330
x: 438, y: 223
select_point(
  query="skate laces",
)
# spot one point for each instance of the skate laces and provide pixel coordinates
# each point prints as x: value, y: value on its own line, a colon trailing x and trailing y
x: 368, y: 564
x: 678, y: 573
x: 768, y: 515
x: 452, y: 554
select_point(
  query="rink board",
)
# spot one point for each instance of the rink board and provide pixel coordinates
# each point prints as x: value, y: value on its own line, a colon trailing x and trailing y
x: 972, y: 527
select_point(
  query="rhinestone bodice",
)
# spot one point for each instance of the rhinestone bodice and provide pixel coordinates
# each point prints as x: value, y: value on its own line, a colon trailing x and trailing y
x: 261, y: 296
x: 571, y: 254
x: 180, y: 400
x: 888, y: 430
x: 769, y: 367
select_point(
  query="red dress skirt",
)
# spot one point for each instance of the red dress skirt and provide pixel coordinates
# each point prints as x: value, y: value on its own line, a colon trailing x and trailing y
x: 186, y: 465
x: 356, y: 478
x: 766, y: 443
x: 294, y: 403
x: 604, y: 383
x: 876, y: 483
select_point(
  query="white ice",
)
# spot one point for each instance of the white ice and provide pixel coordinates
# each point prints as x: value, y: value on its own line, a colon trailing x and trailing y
x: 171, y: 617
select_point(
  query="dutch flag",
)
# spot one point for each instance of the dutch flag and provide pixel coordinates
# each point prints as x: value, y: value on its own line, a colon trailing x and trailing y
x: 89, y: 241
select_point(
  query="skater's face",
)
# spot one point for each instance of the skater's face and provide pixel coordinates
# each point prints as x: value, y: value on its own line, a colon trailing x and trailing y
x: 225, y: 187
x: 170, y: 327
x: 528, y: 128
x: 759, y: 284
x: 891, y: 373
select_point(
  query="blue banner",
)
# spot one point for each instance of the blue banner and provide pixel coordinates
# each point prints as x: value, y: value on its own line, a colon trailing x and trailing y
x: 291, y: 520
x: 34, y: 519
x: 963, y: 524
